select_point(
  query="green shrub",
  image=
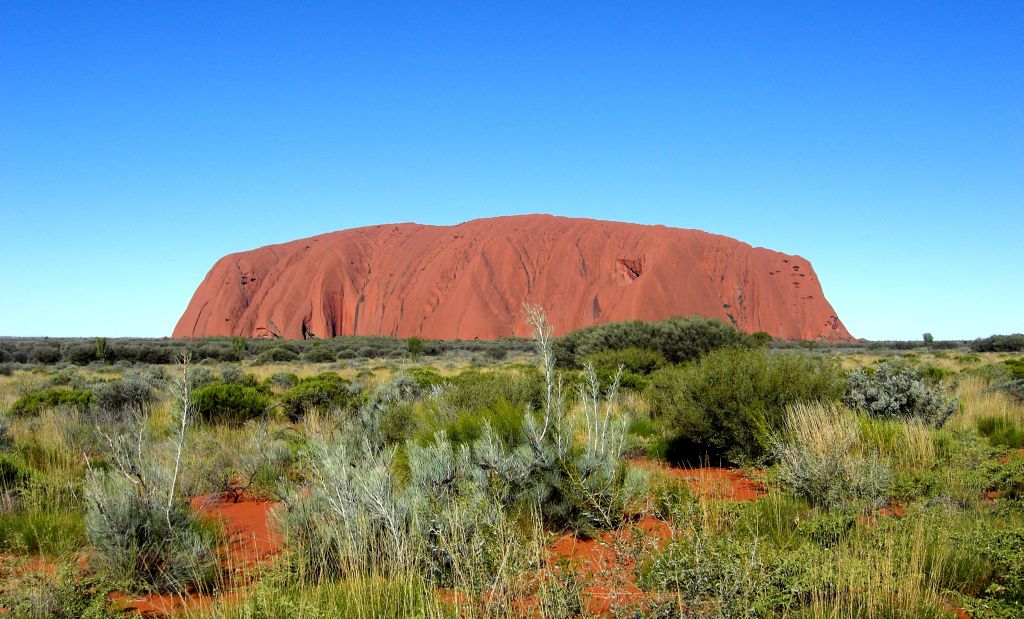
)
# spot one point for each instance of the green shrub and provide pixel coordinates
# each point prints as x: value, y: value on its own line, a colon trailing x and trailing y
x: 427, y: 377
x: 895, y: 390
x: 934, y: 375
x: 273, y: 355
x: 230, y: 403
x: 676, y: 339
x: 473, y: 390
x: 325, y: 392
x: 830, y: 528
x: 505, y: 420
x: 283, y: 380
x: 989, y: 571
x: 44, y: 354
x: 999, y: 343
x: 414, y: 346
x: 130, y: 393
x: 636, y: 360
x: 233, y: 373
x: 1016, y: 368
x: 319, y: 354
x: 37, y: 401
x: 1009, y: 478
x: 79, y: 354
x: 673, y: 501
x: 41, y: 531
x: 496, y: 354
x: 727, y: 405
x: 722, y: 577
x: 636, y: 364
x: 14, y: 472
x: 1001, y: 431
x: 201, y: 377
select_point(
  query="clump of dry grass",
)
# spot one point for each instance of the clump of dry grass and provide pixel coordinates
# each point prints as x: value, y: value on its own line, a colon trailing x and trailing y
x: 823, y: 456
x: 896, y: 575
x: 980, y: 400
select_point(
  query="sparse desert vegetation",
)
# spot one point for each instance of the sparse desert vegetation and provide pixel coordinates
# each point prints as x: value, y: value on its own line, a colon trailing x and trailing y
x: 676, y: 469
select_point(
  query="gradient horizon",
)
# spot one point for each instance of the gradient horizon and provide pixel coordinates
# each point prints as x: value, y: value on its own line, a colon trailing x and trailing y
x: 885, y: 143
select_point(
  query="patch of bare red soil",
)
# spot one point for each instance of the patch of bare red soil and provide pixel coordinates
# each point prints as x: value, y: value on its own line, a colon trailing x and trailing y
x: 161, y: 604
x: 894, y: 511
x: 607, y: 564
x: 956, y: 610
x: 250, y: 538
x: 711, y: 482
x: 250, y: 543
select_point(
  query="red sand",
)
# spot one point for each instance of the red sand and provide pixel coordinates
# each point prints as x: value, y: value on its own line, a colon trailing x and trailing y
x: 251, y: 539
x: 712, y: 482
x: 610, y: 577
x: 470, y: 281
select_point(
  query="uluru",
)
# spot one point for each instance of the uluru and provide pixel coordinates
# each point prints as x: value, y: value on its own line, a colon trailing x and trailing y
x: 470, y: 281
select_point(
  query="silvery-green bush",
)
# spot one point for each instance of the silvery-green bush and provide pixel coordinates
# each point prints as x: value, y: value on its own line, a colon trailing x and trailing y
x: 133, y: 394
x: 143, y: 542
x: 142, y: 532
x: 576, y: 476
x: 895, y: 390
x: 452, y: 516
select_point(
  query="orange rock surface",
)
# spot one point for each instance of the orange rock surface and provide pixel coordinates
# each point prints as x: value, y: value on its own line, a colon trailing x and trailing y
x: 471, y: 280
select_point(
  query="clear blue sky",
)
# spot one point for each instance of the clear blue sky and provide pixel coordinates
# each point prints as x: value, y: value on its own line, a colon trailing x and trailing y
x: 141, y: 141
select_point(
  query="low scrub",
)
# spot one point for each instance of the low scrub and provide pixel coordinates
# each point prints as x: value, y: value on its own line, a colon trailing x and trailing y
x: 634, y: 363
x: 999, y: 343
x: 719, y: 576
x: 1001, y: 430
x: 324, y: 392
x: 452, y: 516
x: 727, y: 405
x: 275, y: 355
x: 38, y: 401
x: 230, y: 403
x: 142, y: 532
x: 31, y: 591
x: 676, y: 339
x: 319, y: 354
x: 131, y: 393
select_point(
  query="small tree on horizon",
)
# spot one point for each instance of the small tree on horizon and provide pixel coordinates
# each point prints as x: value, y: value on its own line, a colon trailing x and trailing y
x: 928, y: 339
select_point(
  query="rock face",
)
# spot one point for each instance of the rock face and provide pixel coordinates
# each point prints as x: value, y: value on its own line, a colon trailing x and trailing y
x: 471, y: 280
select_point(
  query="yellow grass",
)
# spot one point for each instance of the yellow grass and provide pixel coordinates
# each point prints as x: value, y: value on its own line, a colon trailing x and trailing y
x: 978, y: 399
x: 891, y: 576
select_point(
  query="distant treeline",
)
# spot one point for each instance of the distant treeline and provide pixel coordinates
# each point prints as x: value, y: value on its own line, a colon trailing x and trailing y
x: 675, y: 339
x: 993, y: 343
x: 83, y: 351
